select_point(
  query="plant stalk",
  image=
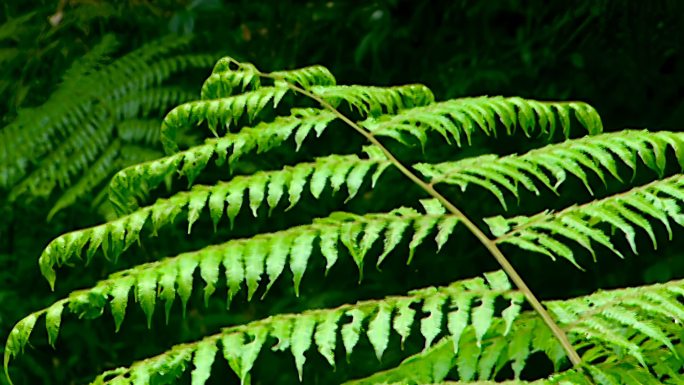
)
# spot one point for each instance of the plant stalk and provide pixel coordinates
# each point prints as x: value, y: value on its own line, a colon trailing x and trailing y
x: 491, y: 246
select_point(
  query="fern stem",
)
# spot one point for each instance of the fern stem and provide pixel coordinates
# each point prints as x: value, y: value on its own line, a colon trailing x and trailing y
x: 491, y: 246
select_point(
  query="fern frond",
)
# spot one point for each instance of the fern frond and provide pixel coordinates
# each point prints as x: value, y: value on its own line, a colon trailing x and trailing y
x: 224, y: 80
x: 65, y: 134
x: 263, y: 137
x: 427, y: 367
x: 644, y: 324
x: 264, y: 187
x: 129, y: 182
x: 217, y: 112
x: 30, y: 134
x: 91, y: 61
x: 95, y: 174
x: 142, y: 131
x: 660, y: 200
x: 549, y: 166
x: 456, y: 118
x: 306, y: 77
x: 323, y: 330
x: 131, y: 68
x: 228, y: 111
x: 247, y: 260
x: 148, y: 100
x: 71, y: 157
x: 624, y: 336
x: 149, y: 74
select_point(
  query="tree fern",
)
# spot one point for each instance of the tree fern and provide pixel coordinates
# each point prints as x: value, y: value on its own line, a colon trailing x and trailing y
x: 473, y: 330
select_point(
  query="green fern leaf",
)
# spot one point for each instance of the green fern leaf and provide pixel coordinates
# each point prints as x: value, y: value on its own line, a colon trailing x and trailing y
x: 203, y: 360
x: 224, y: 112
x: 403, y: 319
x: 53, y: 319
x: 119, y: 300
x: 298, y: 332
x: 146, y: 294
x: 326, y: 335
x: 623, y: 211
x: 167, y: 283
x: 598, y: 154
x: 254, y: 259
x: 302, y: 246
x: 302, y: 334
x: 209, y: 270
x: 186, y: 269
x: 352, y: 330
x: 18, y: 338
x: 110, y: 236
x: 431, y: 325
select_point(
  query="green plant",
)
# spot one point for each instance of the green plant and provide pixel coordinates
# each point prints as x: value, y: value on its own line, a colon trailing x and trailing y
x: 100, y: 118
x: 480, y: 328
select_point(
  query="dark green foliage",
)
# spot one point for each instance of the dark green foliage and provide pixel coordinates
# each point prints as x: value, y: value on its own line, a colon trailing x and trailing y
x: 93, y: 104
x: 627, y: 328
x: 320, y: 228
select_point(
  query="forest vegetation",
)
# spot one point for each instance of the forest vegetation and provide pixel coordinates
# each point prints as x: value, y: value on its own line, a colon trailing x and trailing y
x: 384, y: 192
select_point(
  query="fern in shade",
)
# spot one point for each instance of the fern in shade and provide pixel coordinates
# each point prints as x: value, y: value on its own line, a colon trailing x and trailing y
x: 64, y: 145
x: 471, y: 331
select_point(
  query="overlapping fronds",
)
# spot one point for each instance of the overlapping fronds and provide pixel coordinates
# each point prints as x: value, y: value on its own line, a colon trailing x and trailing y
x: 93, y: 84
x: 454, y: 117
x: 245, y: 261
x: 552, y: 234
x: 134, y: 180
x: 469, y: 302
x: 222, y: 107
x: 228, y: 111
x: 117, y: 156
x: 51, y: 146
x: 231, y: 93
x: 588, y: 375
x: 629, y: 336
x: 262, y: 188
x: 67, y: 160
x: 367, y: 100
x: 625, y: 334
x: 601, y: 155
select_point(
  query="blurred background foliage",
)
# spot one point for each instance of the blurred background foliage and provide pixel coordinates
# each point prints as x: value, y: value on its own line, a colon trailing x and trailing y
x: 623, y: 57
